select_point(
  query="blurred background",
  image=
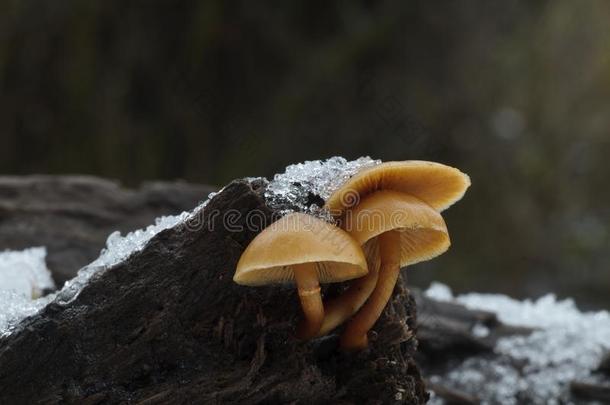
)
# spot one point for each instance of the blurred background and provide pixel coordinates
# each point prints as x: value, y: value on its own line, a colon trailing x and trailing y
x: 515, y: 93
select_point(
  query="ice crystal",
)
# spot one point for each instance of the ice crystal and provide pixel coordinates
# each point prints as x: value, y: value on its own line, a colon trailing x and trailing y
x: 304, y: 187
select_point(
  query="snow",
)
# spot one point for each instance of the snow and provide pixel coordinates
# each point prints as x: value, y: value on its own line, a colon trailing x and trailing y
x: 25, y: 272
x: 303, y: 187
x: 119, y: 248
x: 15, y: 307
x: 23, y: 278
x: 565, y: 346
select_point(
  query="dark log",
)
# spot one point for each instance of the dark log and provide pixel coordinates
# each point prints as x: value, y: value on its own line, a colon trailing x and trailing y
x: 604, y: 366
x: 73, y: 215
x: 168, y: 325
x: 446, y: 331
x: 591, y: 392
x: 446, y: 336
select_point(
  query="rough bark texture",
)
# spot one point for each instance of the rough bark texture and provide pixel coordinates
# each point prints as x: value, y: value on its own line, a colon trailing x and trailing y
x: 604, y: 366
x: 168, y: 325
x: 73, y: 215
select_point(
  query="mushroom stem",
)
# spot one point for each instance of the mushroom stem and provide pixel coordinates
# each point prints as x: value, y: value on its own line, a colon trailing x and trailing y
x: 308, y: 286
x: 337, y: 310
x: 355, y: 335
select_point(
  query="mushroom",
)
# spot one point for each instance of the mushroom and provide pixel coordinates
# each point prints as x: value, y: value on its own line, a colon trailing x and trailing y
x: 406, y: 231
x: 304, y: 250
x: 435, y: 184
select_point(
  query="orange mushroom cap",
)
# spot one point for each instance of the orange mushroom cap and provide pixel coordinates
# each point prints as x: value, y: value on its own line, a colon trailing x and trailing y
x: 436, y: 184
x: 296, y: 239
x: 423, y: 232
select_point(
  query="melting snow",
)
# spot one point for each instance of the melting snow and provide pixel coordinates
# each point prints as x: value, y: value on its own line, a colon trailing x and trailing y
x: 538, y: 368
x: 118, y: 248
x: 304, y: 187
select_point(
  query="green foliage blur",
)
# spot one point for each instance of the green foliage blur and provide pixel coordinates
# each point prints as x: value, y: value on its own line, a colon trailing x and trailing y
x: 515, y: 93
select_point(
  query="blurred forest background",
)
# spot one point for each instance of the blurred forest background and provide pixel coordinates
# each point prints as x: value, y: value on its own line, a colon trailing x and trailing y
x: 515, y: 93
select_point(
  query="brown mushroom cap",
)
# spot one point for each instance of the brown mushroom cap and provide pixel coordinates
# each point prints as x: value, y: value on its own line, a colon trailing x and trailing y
x: 296, y: 239
x: 436, y: 184
x: 423, y: 233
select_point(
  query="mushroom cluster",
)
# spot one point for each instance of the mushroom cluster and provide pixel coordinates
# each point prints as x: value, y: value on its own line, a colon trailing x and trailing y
x: 387, y: 216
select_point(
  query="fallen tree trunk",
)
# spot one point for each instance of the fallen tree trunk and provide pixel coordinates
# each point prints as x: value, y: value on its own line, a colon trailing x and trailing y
x: 168, y: 325
x: 73, y: 215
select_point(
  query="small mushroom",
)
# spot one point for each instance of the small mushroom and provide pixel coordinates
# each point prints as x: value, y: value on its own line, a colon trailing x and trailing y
x: 406, y: 231
x: 304, y: 250
x: 437, y: 185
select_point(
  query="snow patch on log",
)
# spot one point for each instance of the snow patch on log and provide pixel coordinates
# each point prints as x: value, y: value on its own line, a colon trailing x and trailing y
x: 566, y: 346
